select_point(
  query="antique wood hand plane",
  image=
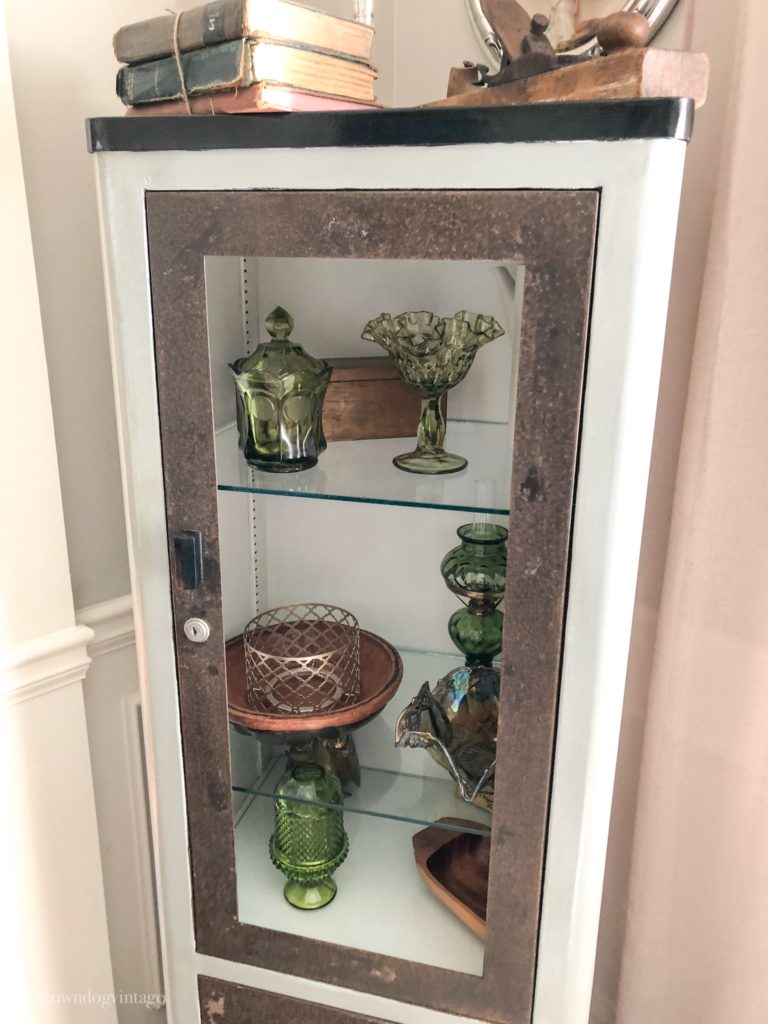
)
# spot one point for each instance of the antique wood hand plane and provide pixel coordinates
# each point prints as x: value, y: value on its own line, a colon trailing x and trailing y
x: 532, y: 71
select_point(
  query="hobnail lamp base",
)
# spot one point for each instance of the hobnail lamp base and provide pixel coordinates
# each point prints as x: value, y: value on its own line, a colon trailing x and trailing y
x: 432, y: 462
x: 310, y: 897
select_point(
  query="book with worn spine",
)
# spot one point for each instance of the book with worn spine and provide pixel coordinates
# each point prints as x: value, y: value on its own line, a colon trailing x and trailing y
x: 243, y: 63
x: 265, y: 97
x: 227, y: 20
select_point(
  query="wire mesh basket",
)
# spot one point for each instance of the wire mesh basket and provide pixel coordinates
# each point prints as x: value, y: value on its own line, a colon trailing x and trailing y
x: 302, y: 659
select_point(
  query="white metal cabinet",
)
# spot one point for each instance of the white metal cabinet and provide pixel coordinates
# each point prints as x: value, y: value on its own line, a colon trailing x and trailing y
x: 629, y: 158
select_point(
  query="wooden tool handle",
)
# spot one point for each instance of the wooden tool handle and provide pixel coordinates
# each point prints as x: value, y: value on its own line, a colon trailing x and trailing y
x: 623, y: 29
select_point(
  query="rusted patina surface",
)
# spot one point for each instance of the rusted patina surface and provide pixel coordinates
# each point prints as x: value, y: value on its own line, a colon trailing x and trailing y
x: 553, y: 235
x: 223, y: 1003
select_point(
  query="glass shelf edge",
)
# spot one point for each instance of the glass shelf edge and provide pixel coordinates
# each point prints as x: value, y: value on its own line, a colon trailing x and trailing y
x: 403, y: 650
x: 354, y: 499
x: 266, y: 794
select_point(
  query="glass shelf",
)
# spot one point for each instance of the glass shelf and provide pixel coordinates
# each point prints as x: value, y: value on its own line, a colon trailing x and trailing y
x: 410, y: 799
x: 382, y: 905
x: 362, y: 471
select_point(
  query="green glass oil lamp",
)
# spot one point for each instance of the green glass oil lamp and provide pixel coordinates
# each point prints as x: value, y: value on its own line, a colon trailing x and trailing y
x: 457, y: 720
x: 475, y: 571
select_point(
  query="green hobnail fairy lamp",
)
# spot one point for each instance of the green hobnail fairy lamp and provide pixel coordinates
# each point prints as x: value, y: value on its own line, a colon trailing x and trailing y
x: 280, y: 392
x: 309, y: 841
x: 433, y: 354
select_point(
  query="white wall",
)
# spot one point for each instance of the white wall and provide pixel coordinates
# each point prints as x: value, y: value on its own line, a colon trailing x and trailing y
x: 54, y: 944
x: 63, y: 71
x: 29, y: 470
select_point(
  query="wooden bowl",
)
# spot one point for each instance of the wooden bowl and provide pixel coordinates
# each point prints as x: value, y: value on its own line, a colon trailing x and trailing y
x: 381, y: 672
x: 454, y: 866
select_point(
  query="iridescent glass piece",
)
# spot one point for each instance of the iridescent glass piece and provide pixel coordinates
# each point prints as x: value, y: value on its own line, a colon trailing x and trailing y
x: 433, y: 354
x: 456, y: 723
x: 280, y: 394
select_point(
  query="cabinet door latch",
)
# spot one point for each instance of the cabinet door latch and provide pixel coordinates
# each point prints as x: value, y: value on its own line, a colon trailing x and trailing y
x: 188, y: 551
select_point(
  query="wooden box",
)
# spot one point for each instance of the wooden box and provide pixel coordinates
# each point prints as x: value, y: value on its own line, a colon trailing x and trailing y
x: 367, y: 398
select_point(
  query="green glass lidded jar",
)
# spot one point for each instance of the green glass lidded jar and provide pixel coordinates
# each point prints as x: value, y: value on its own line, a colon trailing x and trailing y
x: 476, y: 571
x: 280, y: 393
x: 309, y: 841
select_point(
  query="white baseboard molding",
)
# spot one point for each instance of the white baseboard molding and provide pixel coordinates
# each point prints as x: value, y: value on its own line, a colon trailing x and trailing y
x: 113, y: 705
x: 48, y: 662
x: 111, y: 623
x: 137, y: 805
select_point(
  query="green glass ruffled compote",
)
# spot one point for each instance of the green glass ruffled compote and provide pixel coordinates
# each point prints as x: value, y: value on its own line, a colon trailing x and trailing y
x: 433, y: 354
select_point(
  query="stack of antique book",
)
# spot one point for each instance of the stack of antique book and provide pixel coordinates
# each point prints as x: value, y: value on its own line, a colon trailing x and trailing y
x: 245, y: 56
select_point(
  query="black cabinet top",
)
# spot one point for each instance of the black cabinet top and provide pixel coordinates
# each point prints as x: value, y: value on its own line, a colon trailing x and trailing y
x: 543, y: 122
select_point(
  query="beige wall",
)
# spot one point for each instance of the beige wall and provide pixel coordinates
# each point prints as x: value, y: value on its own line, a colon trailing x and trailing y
x: 697, y: 923
x: 701, y: 27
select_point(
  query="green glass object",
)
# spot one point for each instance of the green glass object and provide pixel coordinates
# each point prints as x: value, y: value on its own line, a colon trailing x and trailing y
x: 477, y: 567
x: 476, y: 631
x: 309, y: 841
x: 457, y: 721
x: 433, y: 354
x: 475, y: 570
x: 280, y: 393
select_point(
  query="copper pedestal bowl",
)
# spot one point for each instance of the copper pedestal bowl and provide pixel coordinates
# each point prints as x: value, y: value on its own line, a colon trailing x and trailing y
x: 381, y: 672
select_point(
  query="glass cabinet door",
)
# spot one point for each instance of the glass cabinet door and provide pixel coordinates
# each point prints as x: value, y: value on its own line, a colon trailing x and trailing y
x: 369, y: 646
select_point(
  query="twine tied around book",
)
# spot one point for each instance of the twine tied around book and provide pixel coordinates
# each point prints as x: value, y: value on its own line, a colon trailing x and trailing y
x: 177, y: 55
